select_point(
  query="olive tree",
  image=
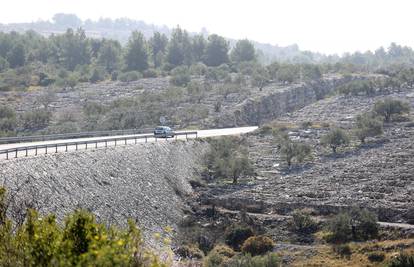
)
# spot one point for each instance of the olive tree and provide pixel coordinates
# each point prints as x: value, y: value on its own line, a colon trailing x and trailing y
x: 335, y: 138
x: 367, y: 126
x: 389, y: 107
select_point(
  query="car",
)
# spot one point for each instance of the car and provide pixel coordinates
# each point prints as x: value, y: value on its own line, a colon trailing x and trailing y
x: 163, y: 131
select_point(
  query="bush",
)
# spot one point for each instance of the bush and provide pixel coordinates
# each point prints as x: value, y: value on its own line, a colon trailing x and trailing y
x: 257, y: 245
x: 8, y: 121
x: 228, y: 158
x: 129, y: 76
x: 150, y: 73
x: 236, y: 235
x: 357, y: 87
x: 218, y: 256
x: 335, y: 138
x: 402, y: 260
x: 97, y: 75
x: 81, y: 241
x: 376, y: 257
x: 357, y: 225
x: 367, y: 126
x: 224, y: 251
x: 344, y: 250
x: 390, y: 107
x: 268, y: 260
x: 302, y: 223
x: 36, y: 119
x: 189, y: 252
x: 180, y: 76
x: 293, y: 150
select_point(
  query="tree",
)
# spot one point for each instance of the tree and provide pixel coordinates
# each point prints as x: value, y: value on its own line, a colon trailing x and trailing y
x: 198, y: 45
x: 3, y: 64
x: 216, y: 52
x: 17, y: 56
x: 260, y: 77
x: 158, y: 44
x: 109, y: 55
x: 367, y: 126
x: 335, y: 138
x: 243, y: 51
x: 389, y: 107
x: 293, y: 150
x: 179, y: 48
x: 136, y: 56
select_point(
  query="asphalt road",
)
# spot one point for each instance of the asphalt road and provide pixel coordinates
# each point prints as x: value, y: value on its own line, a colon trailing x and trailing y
x: 201, y: 134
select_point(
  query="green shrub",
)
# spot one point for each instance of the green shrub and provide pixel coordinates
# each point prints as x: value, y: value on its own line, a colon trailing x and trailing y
x: 218, y: 256
x: 341, y: 228
x: 36, y: 119
x: 150, y: 73
x: 402, y: 260
x: 357, y: 87
x: 190, y: 252
x: 367, y: 126
x: 390, y: 107
x: 98, y: 74
x: 303, y: 223
x: 223, y: 250
x: 236, y: 235
x: 257, y: 245
x: 335, y: 138
x: 129, y: 76
x: 8, y: 121
x: 293, y: 150
x: 180, y: 76
x: 376, y: 257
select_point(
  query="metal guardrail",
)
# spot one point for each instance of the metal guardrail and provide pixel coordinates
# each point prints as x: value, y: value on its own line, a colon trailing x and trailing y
x: 32, y: 138
x: 14, y: 152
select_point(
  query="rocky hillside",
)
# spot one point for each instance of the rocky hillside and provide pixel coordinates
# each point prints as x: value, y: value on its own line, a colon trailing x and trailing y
x: 146, y: 182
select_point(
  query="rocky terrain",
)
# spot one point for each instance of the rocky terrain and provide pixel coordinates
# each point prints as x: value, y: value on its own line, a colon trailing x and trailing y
x: 378, y: 175
x: 145, y: 182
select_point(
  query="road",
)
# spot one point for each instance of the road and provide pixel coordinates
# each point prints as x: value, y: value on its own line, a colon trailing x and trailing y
x: 201, y: 134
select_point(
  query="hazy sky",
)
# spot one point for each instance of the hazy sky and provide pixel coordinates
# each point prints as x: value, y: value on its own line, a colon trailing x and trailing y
x: 329, y: 26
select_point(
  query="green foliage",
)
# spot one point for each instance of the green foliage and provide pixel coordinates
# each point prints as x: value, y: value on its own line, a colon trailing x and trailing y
x: 302, y: 223
x: 243, y: 51
x: 109, y: 56
x: 389, y: 107
x: 357, y: 87
x: 376, y: 257
x: 136, y: 56
x: 81, y: 241
x: 8, y: 121
x: 367, y: 126
x: 158, y: 44
x: 356, y: 225
x: 129, y: 76
x: 189, y: 252
x: 4, y: 64
x: 180, y: 76
x: 268, y: 260
x: 402, y: 260
x: 216, y: 52
x: 236, y: 235
x: 335, y: 138
x: 293, y: 150
x: 179, y: 48
x: 228, y: 159
x: 98, y: 74
x: 257, y: 245
x: 218, y: 256
x: 36, y: 119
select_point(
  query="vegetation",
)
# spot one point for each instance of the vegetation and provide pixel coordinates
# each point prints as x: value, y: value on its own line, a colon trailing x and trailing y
x: 257, y: 245
x: 389, y: 108
x: 356, y: 225
x: 302, y: 223
x: 293, y: 150
x: 236, y: 235
x: 228, y: 159
x: 81, y: 241
x: 402, y: 260
x: 335, y: 138
x: 367, y: 126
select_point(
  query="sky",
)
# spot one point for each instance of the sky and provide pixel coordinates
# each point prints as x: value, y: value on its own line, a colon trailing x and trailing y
x: 327, y: 26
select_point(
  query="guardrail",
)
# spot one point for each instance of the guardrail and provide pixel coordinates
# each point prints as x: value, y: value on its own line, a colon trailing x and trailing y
x: 32, y: 138
x: 65, y: 146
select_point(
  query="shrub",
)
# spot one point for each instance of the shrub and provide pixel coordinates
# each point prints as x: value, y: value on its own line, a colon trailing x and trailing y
x: 8, y: 121
x: 36, y: 119
x: 224, y: 250
x: 268, y: 260
x: 236, y: 235
x: 357, y: 87
x: 150, y: 73
x: 335, y: 138
x: 97, y: 75
x: 302, y: 223
x: 257, y: 245
x: 228, y: 158
x: 190, y: 252
x: 376, y: 257
x: 367, y: 126
x: 344, y: 250
x: 218, y: 256
x: 390, y: 107
x: 293, y: 150
x: 356, y: 225
x: 180, y: 76
x: 129, y: 76
x: 402, y: 260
